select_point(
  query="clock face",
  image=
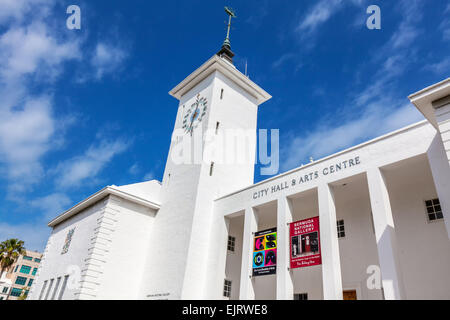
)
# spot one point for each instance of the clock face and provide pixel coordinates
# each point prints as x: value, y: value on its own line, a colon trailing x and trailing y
x: 194, y: 115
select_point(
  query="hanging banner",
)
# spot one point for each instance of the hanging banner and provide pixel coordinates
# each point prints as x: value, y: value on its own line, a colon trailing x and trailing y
x: 305, y: 243
x: 265, y: 253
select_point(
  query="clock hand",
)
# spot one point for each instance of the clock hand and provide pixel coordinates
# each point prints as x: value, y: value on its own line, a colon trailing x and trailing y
x: 193, y: 116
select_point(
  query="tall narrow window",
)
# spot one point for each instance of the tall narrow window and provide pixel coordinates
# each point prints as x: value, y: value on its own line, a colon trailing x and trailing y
x: 221, y: 94
x: 63, y: 288
x: 340, y: 229
x: 58, y: 281
x: 434, y: 210
x: 42, y: 290
x: 217, y: 127
x: 371, y: 221
x: 231, y: 243
x: 211, y: 169
x: 227, y: 288
x: 49, y: 289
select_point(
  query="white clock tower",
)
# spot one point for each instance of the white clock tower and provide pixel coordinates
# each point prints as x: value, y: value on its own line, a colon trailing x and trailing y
x: 217, y: 102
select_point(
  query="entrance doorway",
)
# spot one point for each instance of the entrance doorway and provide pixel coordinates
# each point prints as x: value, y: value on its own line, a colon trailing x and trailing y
x: 350, y: 295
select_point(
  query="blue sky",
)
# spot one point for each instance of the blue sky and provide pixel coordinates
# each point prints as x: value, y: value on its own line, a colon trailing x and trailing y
x: 81, y: 109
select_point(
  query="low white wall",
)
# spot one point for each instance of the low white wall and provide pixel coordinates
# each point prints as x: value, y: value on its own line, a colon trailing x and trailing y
x: 54, y: 264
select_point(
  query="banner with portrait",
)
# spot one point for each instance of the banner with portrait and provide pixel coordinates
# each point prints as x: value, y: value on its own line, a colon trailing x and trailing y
x: 305, y: 243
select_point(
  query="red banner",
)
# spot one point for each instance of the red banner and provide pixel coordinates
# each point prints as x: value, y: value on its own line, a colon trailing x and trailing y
x: 305, y: 243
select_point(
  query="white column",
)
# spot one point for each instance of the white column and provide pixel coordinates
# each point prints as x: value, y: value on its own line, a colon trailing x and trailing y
x: 385, y: 234
x: 331, y: 262
x: 250, y: 227
x: 285, y: 287
x: 441, y: 176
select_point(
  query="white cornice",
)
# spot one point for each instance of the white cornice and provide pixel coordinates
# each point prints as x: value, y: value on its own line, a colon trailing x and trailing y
x: 99, y: 196
x: 351, y: 149
x: 424, y: 99
x: 218, y: 64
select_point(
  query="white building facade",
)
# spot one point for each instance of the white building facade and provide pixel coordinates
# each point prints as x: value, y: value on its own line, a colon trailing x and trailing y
x: 383, y: 209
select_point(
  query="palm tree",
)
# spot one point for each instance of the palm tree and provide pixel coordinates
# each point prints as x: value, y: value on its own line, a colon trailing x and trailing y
x: 24, y: 294
x: 10, y: 250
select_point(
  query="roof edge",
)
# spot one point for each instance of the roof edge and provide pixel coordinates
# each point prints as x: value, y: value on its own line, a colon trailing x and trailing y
x: 326, y: 158
x: 219, y: 64
x: 110, y: 190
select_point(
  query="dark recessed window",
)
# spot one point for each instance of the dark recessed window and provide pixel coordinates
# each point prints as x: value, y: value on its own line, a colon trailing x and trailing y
x: 211, y: 169
x: 21, y: 281
x: 340, y: 229
x: 231, y: 243
x: 434, y: 210
x: 25, y: 269
x: 221, y: 94
x: 16, y: 292
x: 301, y: 296
x: 227, y: 288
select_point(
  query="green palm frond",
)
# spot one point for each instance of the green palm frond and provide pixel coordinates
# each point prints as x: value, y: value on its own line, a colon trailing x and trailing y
x: 10, y: 250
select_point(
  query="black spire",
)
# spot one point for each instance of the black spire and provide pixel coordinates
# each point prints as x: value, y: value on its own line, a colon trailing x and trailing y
x: 225, y: 51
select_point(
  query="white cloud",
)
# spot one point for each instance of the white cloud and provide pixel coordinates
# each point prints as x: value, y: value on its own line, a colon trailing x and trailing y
x: 52, y: 205
x: 107, y: 58
x: 377, y: 109
x: 394, y: 57
x: 407, y: 31
x: 392, y: 67
x: 134, y: 169
x: 441, y: 67
x: 74, y: 171
x: 33, y: 48
x: 284, y: 58
x: 447, y: 9
x: 16, y: 10
x: 30, y: 52
x: 149, y: 176
x: 445, y: 25
x: 34, y: 235
x: 328, y: 138
x: 25, y: 136
x: 318, y: 14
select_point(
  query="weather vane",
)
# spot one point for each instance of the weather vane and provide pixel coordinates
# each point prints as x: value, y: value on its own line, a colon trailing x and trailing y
x: 231, y: 14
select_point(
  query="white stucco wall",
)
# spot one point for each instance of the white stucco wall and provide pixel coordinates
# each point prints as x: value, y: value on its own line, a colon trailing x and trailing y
x: 358, y: 249
x: 108, y: 245
x: 125, y: 262
x: 54, y: 264
x: 424, y: 248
